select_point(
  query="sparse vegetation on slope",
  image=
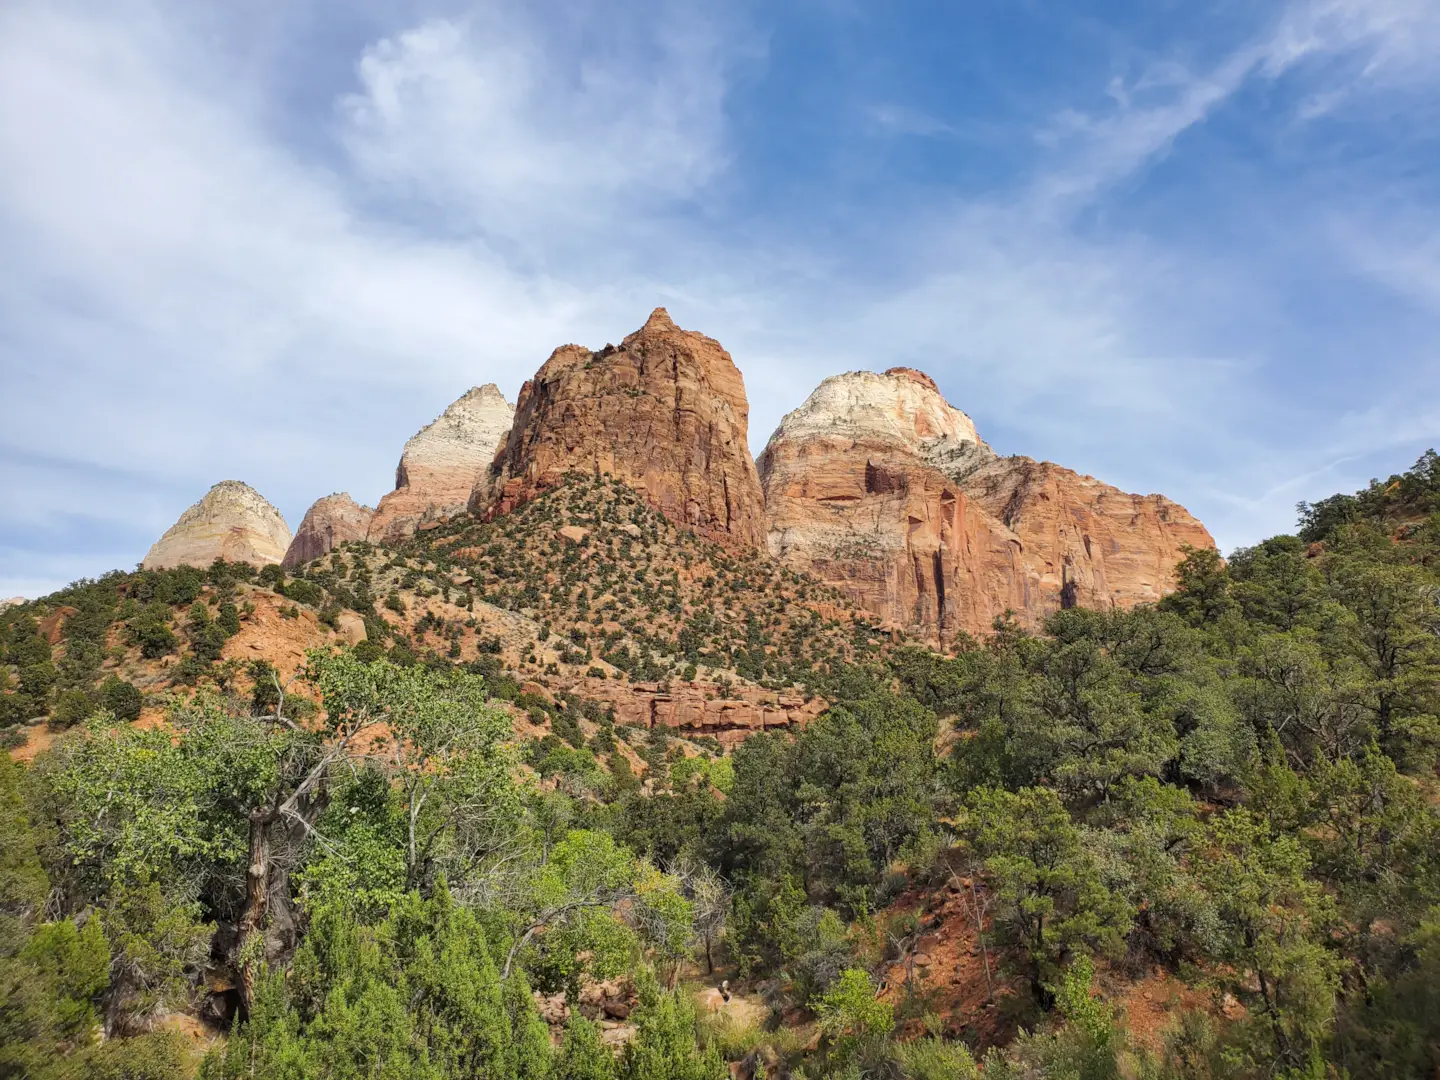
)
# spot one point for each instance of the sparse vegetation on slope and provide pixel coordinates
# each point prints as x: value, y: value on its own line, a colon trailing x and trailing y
x: 1188, y: 841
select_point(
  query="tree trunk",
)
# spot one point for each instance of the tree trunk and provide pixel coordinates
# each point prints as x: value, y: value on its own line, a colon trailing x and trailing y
x: 257, y: 899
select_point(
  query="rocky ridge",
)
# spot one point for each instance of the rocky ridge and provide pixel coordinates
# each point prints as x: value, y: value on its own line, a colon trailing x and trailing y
x: 232, y: 521
x: 441, y: 463
x: 664, y: 412
x: 331, y: 521
x: 881, y: 488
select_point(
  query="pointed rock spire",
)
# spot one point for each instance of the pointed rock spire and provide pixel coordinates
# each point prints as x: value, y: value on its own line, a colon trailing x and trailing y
x: 665, y: 412
x: 441, y: 462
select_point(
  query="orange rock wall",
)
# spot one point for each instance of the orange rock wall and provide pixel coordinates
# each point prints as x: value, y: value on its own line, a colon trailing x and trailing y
x: 937, y: 551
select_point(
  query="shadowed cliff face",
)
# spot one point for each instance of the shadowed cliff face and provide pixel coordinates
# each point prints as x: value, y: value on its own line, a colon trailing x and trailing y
x: 881, y: 488
x: 665, y: 412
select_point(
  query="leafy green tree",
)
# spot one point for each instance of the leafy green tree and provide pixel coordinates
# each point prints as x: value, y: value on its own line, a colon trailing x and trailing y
x: 529, y: 1035
x: 664, y: 1047
x: 1272, y: 922
x: 582, y: 1055
x: 156, y: 942
x: 121, y: 699
x: 1392, y: 633
x: 1203, y: 588
x: 1154, y: 829
x: 852, y: 1018
x: 150, y: 630
x: 1050, y: 900
x: 71, y: 707
x: 445, y: 745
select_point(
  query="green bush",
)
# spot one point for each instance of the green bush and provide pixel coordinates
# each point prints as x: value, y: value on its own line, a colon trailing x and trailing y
x: 121, y: 698
x: 71, y: 707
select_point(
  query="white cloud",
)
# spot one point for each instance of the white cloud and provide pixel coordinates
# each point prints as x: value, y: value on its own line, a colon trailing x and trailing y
x: 515, y: 141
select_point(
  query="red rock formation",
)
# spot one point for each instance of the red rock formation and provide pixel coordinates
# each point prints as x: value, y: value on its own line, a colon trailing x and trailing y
x: 329, y: 522
x: 441, y: 463
x: 694, y: 709
x: 882, y: 489
x: 665, y: 412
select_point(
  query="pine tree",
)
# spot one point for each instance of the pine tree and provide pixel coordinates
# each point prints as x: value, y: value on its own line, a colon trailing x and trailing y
x: 582, y: 1055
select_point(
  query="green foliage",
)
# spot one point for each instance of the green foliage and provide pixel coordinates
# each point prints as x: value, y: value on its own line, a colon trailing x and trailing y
x: 849, y: 1011
x: 1051, y: 900
x: 150, y: 630
x: 1413, y: 492
x: 121, y: 699
x: 833, y: 807
x: 582, y: 1055
x: 1273, y: 923
x: 71, y: 707
x: 418, y: 994
x: 931, y: 1058
x: 664, y: 1047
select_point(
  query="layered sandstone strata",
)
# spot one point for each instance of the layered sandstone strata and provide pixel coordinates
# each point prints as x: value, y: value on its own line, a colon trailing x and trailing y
x: 693, y: 708
x: 441, y: 463
x: 665, y: 412
x: 881, y: 488
x: 233, y: 522
x: 330, y: 522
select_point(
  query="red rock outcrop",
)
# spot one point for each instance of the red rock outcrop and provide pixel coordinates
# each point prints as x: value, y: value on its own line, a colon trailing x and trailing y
x: 881, y: 488
x: 331, y: 521
x: 665, y: 412
x: 232, y: 522
x: 441, y: 463
x: 693, y: 708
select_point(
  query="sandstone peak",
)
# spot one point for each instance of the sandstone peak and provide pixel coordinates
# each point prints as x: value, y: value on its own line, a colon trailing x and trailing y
x: 330, y: 522
x: 914, y: 376
x: 899, y: 411
x: 441, y: 462
x: 659, y: 320
x: 665, y: 412
x: 232, y: 521
x: 877, y: 485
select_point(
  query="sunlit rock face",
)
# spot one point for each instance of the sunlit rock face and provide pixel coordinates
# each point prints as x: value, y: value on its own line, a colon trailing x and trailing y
x: 232, y: 521
x: 665, y: 412
x: 441, y: 463
x: 330, y: 522
x: 880, y: 487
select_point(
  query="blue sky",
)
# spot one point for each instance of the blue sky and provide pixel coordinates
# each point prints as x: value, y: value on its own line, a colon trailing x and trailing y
x: 1186, y: 247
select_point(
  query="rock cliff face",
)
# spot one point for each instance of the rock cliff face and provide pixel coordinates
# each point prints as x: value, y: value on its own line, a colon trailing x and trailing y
x: 691, y: 709
x: 881, y: 488
x: 441, y: 463
x: 665, y: 412
x: 232, y: 522
x: 330, y: 521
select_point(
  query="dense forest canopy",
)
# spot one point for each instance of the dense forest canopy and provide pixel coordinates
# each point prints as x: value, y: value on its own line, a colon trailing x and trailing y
x: 367, y: 872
